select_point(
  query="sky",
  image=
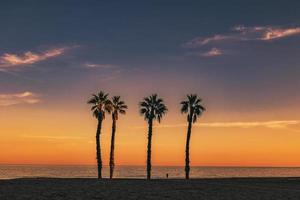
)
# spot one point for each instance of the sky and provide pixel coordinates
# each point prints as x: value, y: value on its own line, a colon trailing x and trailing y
x: 240, y: 57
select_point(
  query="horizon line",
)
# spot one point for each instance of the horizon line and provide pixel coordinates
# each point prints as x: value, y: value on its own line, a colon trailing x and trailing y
x: 203, y: 166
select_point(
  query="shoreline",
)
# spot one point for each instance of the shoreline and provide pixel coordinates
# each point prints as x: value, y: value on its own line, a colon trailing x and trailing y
x: 153, y: 179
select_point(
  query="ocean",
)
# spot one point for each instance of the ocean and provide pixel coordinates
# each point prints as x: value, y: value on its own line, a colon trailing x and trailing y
x: 88, y: 171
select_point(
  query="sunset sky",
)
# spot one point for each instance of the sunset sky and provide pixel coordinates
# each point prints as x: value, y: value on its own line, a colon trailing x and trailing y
x: 241, y: 57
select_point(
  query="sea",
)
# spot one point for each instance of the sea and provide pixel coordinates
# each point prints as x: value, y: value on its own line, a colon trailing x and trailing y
x: 139, y: 172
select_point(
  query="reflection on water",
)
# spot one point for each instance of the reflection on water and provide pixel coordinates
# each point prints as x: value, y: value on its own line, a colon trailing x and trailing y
x: 17, y: 171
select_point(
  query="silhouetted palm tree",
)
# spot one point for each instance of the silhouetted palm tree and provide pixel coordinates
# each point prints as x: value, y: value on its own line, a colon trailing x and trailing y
x: 118, y: 106
x: 152, y: 108
x: 100, y: 105
x: 194, y: 109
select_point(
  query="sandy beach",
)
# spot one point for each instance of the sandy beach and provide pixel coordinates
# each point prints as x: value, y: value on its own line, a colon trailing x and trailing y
x: 231, y: 189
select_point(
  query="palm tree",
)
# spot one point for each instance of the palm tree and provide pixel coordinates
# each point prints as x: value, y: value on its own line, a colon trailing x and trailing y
x: 194, y: 109
x: 152, y: 108
x: 100, y: 105
x: 118, y: 106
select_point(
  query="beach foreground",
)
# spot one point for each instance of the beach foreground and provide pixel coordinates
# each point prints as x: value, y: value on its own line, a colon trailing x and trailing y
x: 231, y: 189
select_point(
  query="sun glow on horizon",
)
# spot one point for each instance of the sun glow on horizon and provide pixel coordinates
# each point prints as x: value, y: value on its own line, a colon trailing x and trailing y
x: 69, y: 138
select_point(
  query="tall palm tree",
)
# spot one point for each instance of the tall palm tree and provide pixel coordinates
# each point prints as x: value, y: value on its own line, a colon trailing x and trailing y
x: 152, y: 108
x: 192, y: 106
x: 118, y: 106
x: 100, y: 105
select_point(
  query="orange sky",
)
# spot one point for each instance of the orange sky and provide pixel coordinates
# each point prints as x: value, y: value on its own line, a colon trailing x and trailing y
x: 34, y: 135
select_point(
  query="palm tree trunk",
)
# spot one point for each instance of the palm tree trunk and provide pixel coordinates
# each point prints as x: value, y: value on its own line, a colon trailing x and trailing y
x: 187, y: 150
x: 112, y: 149
x: 150, y: 123
x: 98, y: 148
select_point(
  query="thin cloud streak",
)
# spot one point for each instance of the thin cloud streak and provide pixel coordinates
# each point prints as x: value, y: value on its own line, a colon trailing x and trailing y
x: 243, y: 33
x: 266, y: 124
x: 267, y: 32
x: 280, y: 33
x: 96, y: 66
x: 284, y: 124
x: 201, y: 41
x: 19, y: 98
x: 10, y: 61
x: 212, y: 53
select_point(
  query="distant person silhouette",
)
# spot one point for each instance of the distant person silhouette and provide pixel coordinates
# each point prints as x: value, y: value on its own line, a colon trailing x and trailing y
x: 167, y: 175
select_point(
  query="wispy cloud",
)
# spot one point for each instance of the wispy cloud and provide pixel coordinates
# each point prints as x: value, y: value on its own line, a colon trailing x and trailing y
x: 96, y: 66
x: 19, y: 98
x: 11, y: 61
x: 201, y: 41
x: 212, y: 53
x: 280, y: 33
x: 108, y: 71
x: 266, y: 124
x: 266, y: 32
x: 276, y: 124
x: 243, y: 33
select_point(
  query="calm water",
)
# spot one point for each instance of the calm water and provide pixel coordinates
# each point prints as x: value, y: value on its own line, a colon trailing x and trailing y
x: 17, y: 171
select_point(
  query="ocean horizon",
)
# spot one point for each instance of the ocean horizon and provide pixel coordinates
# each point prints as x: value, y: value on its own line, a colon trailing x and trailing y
x: 13, y: 171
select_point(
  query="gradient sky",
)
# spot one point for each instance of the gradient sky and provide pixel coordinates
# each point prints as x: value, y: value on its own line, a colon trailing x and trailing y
x: 241, y: 57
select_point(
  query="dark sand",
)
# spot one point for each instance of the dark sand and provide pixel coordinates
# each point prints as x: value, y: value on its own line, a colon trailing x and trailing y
x: 231, y: 189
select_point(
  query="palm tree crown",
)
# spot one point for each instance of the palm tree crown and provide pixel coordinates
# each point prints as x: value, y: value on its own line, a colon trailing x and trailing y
x: 193, y: 107
x: 153, y: 108
x: 118, y: 106
x: 100, y: 104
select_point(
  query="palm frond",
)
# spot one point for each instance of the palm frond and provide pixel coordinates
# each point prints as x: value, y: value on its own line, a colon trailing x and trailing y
x: 153, y: 107
x: 94, y: 107
x: 122, y: 112
x: 195, y: 118
x: 117, y: 106
x: 184, y: 107
x: 144, y: 104
x: 99, y: 104
x: 92, y: 101
x: 96, y: 113
x: 123, y: 107
x: 193, y: 107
